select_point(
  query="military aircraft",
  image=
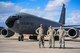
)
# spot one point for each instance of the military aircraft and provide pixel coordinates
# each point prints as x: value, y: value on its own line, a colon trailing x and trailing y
x: 24, y: 23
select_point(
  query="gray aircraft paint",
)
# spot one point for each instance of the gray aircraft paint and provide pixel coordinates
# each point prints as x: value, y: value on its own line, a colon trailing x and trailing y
x: 29, y: 23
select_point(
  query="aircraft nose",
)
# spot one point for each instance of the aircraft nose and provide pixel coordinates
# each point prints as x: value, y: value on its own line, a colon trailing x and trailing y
x: 10, y: 21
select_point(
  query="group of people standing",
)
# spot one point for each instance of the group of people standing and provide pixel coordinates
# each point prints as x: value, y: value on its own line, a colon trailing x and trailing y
x: 51, y: 33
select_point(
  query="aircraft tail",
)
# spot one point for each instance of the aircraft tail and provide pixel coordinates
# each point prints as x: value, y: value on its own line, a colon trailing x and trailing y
x: 62, y: 17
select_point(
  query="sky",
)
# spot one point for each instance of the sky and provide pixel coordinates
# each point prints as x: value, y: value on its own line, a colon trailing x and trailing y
x: 47, y: 9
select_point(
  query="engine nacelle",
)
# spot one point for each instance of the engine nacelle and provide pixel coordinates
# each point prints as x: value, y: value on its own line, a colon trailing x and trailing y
x: 73, y: 33
x: 7, y: 33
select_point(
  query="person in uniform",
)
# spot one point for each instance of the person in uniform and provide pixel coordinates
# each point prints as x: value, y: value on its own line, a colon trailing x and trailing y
x: 40, y: 32
x: 61, y: 32
x: 51, y: 33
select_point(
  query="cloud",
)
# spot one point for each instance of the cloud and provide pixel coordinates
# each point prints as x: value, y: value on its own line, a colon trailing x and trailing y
x: 74, y: 18
x: 7, y: 9
x: 55, y: 4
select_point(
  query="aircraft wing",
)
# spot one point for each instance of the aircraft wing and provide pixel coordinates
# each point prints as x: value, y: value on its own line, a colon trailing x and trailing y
x: 69, y: 27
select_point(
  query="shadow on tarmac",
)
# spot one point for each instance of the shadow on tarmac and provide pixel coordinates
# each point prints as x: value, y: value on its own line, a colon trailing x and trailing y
x: 72, y: 47
x: 65, y: 48
x: 75, y: 40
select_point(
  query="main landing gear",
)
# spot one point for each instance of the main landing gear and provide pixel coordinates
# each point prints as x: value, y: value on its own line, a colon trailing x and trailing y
x: 21, y: 37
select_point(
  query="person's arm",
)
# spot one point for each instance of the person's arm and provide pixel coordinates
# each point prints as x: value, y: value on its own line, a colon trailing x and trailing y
x: 65, y: 33
x: 57, y: 32
x: 37, y: 31
x: 54, y: 32
x: 48, y: 33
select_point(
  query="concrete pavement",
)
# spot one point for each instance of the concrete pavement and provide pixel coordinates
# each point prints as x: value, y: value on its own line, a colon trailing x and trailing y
x: 11, y: 45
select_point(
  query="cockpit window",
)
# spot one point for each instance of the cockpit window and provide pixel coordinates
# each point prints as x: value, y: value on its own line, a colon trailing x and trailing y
x: 10, y: 21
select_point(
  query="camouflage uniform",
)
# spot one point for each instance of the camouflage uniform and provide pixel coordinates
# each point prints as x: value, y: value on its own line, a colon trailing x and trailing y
x: 61, y: 33
x: 40, y: 32
x: 51, y: 34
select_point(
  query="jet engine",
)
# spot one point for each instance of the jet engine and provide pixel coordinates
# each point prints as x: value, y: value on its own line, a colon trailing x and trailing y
x: 7, y: 33
x: 73, y: 33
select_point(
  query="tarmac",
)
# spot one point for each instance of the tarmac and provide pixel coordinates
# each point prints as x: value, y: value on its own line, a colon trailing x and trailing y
x: 12, y: 45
